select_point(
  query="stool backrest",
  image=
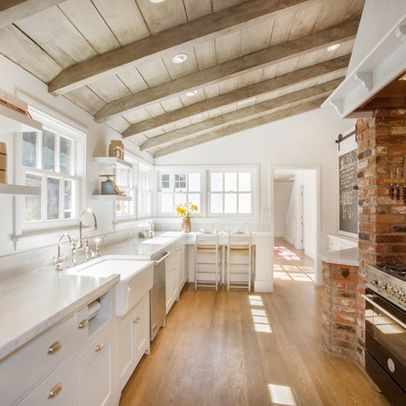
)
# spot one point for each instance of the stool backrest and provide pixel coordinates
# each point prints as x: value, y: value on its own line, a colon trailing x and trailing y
x: 239, y: 239
x: 211, y: 239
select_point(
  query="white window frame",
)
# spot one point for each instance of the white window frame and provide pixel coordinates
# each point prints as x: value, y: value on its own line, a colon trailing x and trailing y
x: 254, y: 190
x: 149, y: 190
x: 172, y: 171
x: 133, y: 188
x: 78, y: 166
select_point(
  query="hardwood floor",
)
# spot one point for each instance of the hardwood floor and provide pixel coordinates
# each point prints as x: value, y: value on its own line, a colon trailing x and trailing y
x: 247, y: 349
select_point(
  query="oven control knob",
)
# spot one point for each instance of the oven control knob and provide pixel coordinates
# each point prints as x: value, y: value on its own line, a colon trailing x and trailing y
x: 391, y: 365
x: 374, y: 281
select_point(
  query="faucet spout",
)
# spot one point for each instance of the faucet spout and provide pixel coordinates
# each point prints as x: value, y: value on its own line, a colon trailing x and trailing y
x: 58, y: 260
x: 82, y: 217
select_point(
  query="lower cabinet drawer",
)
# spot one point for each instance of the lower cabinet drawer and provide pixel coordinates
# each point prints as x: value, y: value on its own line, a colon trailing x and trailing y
x: 60, y: 388
x: 98, y: 380
x: 36, y: 359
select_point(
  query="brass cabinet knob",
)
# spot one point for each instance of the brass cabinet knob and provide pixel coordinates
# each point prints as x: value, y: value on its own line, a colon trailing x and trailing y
x: 99, y: 347
x: 55, y: 391
x: 83, y: 323
x: 55, y: 347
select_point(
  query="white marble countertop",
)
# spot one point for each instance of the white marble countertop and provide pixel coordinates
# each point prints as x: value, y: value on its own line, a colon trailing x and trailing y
x: 32, y: 302
x: 341, y: 257
x: 144, y: 249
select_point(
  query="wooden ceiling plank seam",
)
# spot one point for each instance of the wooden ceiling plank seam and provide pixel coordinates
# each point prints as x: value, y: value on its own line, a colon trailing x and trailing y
x: 58, y: 37
x: 100, y: 43
x: 77, y: 29
x: 124, y: 19
x: 236, y: 128
x: 244, y: 93
x: 16, y: 10
x: 243, y: 114
x: 272, y: 55
x: 11, y: 37
x: 172, y: 39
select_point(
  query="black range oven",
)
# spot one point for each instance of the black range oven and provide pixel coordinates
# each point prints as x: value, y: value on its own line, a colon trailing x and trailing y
x: 385, y: 328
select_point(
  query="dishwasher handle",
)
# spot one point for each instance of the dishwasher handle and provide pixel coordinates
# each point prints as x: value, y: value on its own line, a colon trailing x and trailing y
x: 162, y: 258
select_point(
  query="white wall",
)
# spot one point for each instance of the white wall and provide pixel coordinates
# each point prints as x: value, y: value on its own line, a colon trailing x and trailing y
x: 16, y: 81
x: 282, y: 194
x: 305, y: 140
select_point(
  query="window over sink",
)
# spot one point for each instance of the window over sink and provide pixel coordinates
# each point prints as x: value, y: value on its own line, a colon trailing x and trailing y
x: 52, y: 159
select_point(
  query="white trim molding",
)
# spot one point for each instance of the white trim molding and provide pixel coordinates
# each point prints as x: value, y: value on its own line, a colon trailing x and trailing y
x: 380, y: 65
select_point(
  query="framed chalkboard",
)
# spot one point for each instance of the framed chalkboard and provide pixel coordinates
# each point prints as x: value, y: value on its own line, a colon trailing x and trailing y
x: 348, y: 205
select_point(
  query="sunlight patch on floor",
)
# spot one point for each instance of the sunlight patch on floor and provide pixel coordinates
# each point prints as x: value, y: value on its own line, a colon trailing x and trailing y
x: 281, y: 395
x: 259, y: 317
x: 285, y: 253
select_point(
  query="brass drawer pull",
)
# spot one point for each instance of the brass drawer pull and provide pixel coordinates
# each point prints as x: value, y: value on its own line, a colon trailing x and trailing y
x: 55, y: 347
x: 55, y: 391
x: 99, y: 347
x: 83, y: 323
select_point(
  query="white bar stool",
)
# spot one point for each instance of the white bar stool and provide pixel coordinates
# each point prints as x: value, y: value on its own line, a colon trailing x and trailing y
x: 239, y: 261
x: 207, y: 260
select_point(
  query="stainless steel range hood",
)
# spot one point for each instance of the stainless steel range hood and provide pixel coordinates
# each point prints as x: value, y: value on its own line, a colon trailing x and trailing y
x: 379, y: 56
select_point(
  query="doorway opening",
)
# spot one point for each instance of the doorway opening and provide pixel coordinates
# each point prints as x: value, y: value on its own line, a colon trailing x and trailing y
x: 295, y: 224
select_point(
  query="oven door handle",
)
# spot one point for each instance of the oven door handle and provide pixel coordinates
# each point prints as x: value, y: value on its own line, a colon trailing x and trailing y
x: 391, y: 316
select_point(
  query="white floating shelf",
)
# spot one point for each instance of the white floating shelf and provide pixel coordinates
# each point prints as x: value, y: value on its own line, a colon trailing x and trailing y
x: 19, y: 190
x: 112, y: 161
x: 112, y: 197
x: 14, y: 121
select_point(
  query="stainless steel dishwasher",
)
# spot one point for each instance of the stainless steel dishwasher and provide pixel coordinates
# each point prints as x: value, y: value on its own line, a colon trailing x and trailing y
x: 157, y: 295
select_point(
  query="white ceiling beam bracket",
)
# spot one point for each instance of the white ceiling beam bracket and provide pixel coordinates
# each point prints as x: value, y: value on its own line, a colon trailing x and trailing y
x: 366, y: 78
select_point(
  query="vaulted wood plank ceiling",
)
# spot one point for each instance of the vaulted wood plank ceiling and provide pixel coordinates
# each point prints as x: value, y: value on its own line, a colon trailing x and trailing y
x: 247, y: 62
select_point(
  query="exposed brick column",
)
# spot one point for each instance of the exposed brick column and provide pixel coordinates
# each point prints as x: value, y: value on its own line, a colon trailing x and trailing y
x: 339, y: 316
x: 382, y: 221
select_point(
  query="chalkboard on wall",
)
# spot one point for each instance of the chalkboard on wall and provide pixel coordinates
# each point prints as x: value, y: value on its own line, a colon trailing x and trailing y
x: 347, y: 171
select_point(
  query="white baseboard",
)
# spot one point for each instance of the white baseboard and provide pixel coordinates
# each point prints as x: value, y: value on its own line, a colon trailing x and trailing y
x: 263, y: 286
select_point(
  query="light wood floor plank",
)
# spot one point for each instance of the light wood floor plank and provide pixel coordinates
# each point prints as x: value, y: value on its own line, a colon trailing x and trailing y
x: 210, y: 353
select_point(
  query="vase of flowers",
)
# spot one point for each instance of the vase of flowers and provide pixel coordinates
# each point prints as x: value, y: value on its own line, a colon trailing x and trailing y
x: 186, y: 211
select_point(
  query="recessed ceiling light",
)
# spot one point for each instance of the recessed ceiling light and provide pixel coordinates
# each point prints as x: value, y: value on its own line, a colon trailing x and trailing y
x: 156, y: 1
x: 332, y: 48
x: 179, y: 58
x: 191, y: 93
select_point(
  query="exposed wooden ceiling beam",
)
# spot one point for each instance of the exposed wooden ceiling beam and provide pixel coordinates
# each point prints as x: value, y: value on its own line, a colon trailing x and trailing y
x: 235, y: 96
x: 249, y: 112
x: 255, y: 60
x: 235, y: 128
x: 171, y: 40
x: 14, y: 10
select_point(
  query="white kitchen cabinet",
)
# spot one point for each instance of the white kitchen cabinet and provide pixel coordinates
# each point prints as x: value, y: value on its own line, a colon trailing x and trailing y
x: 59, y: 388
x: 175, y: 274
x: 20, y: 371
x: 133, y: 339
x: 98, y: 373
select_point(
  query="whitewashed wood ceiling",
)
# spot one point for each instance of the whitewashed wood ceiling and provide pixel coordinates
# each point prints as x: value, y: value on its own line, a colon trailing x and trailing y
x: 248, y: 62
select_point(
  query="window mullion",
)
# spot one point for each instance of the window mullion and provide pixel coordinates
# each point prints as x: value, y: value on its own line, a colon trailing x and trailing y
x: 39, y: 150
x: 61, y: 199
x: 57, y: 153
x: 44, y: 199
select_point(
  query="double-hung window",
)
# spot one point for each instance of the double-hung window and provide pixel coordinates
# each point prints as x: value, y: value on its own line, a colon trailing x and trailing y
x: 52, y: 160
x: 231, y: 192
x: 145, y: 190
x: 125, y: 209
x: 179, y: 187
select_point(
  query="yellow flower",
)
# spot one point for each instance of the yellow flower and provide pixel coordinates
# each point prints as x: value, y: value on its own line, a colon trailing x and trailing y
x: 180, y: 211
x: 194, y: 207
